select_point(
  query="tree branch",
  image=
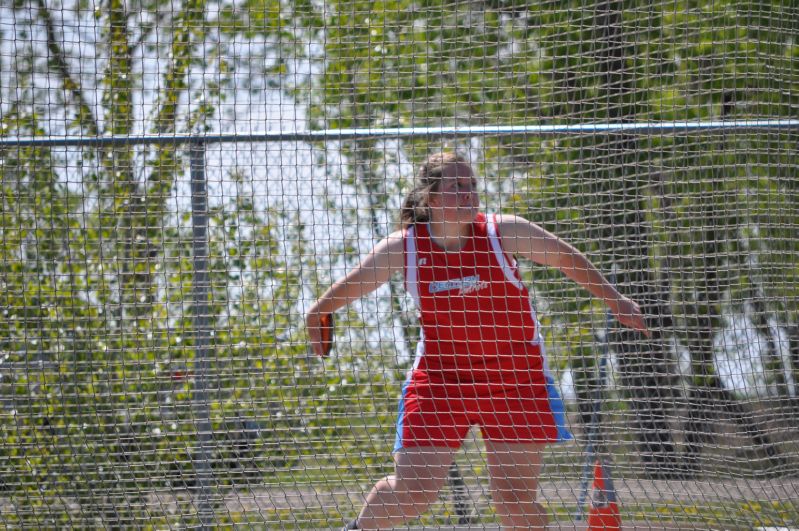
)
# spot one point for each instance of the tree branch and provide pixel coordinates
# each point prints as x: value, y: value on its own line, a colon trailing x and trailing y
x: 86, y: 117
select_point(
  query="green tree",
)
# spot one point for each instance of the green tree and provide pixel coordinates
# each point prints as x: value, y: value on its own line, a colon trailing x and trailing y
x: 721, y: 203
x: 96, y: 259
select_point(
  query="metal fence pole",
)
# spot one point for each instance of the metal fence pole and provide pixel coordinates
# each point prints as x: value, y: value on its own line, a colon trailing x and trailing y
x: 201, y: 324
x: 338, y: 135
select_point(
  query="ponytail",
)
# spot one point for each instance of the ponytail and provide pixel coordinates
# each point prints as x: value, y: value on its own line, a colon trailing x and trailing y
x: 415, y: 208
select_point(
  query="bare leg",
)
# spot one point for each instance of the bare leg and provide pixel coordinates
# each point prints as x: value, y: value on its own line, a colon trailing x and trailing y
x: 514, y: 469
x: 419, y: 473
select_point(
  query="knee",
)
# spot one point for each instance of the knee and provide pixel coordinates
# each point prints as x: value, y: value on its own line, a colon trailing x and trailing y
x: 396, y: 499
x: 420, y: 492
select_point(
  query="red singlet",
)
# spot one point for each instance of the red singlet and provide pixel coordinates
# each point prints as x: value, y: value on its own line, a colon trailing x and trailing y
x: 479, y: 360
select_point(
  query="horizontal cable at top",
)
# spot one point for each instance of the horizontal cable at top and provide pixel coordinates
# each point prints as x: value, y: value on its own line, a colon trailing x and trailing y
x: 639, y: 128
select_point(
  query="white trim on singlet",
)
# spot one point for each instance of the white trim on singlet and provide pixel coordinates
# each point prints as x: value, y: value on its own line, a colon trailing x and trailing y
x: 507, y: 268
x: 419, y: 349
x: 412, y: 286
x: 411, y: 266
x: 510, y: 270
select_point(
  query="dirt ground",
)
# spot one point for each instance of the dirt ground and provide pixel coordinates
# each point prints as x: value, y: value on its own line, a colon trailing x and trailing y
x: 632, y: 494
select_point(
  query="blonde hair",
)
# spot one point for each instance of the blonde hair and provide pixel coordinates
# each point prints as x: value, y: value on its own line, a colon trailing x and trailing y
x: 416, y: 207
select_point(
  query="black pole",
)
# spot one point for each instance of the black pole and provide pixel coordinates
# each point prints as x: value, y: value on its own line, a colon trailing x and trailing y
x: 201, y: 324
x: 593, y: 432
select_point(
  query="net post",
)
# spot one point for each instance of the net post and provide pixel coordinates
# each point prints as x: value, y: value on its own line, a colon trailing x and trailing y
x: 201, y: 411
x: 593, y: 430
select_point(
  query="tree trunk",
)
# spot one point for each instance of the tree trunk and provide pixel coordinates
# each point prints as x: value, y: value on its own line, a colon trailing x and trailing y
x: 707, y: 397
x: 647, y: 372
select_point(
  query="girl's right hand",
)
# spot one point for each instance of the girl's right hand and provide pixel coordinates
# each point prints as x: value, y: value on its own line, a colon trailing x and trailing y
x: 320, y: 332
x: 630, y: 315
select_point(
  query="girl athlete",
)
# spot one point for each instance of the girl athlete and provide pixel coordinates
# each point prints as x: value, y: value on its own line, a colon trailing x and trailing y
x: 479, y: 360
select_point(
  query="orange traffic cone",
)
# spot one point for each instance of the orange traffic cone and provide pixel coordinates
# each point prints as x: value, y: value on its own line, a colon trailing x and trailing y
x: 603, y: 511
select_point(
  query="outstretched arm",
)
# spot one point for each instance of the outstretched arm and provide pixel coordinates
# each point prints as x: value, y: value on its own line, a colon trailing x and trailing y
x: 526, y: 239
x: 375, y: 269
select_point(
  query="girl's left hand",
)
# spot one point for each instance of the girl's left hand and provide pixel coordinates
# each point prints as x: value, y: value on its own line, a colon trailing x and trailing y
x: 630, y: 315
